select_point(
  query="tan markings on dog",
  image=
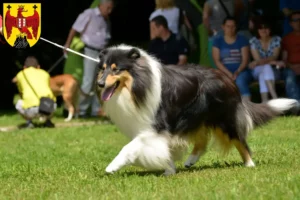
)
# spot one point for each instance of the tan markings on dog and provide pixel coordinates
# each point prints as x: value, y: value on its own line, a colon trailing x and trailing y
x: 104, y: 66
x: 110, y: 80
x: 245, y: 154
x: 222, y: 139
x: 113, y: 66
x: 126, y: 80
x: 200, y: 139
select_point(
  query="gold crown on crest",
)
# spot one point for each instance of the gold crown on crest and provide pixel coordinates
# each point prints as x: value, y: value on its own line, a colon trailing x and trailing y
x: 21, y: 6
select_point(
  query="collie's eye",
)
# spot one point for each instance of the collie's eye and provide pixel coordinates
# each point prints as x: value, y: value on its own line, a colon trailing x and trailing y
x: 102, y: 66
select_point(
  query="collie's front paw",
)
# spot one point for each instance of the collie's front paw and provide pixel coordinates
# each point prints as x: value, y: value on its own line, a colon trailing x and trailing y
x: 169, y: 172
x: 110, y: 169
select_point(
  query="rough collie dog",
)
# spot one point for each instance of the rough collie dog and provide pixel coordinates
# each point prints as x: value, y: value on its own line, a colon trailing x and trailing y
x: 164, y: 108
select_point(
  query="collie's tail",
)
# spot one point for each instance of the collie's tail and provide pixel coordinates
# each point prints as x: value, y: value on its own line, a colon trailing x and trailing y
x: 252, y: 115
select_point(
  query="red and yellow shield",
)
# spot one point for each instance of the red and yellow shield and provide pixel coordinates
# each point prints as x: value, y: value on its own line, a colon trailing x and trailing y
x: 21, y: 24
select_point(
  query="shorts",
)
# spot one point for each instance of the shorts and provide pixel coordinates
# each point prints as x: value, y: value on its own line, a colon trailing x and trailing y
x: 29, y: 113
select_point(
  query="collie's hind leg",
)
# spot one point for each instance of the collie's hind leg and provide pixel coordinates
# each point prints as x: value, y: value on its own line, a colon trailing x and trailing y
x: 198, y: 150
x: 245, y: 152
x: 147, y: 150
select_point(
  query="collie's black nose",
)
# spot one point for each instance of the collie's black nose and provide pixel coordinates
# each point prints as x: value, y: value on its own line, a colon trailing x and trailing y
x: 101, y: 83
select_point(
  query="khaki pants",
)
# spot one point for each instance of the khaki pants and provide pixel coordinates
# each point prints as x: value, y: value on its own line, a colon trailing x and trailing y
x: 32, y: 112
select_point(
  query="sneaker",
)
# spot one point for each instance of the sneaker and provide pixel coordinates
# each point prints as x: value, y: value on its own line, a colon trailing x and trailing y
x: 26, y: 126
x: 83, y: 116
x: 49, y: 124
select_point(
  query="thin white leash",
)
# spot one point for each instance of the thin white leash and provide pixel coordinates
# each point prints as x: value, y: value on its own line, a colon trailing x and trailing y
x: 70, y: 50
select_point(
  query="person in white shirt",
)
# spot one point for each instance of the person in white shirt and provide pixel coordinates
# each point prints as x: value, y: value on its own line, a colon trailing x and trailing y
x: 167, y: 9
x: 94, y: 28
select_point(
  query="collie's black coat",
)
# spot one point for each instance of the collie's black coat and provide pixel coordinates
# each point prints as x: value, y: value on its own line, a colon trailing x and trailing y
x: 160, y: 107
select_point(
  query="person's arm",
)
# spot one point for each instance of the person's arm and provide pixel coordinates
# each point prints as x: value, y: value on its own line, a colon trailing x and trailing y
x: 183, y: 51
x: 257, y: 60
x: 262, y: 61
x: 245, y: 60
x: 19, y: 86
x: 205, y: 17
x: 182, y: 60
x: 245, y: 52
x: 78, y: 27
x: 218, y: 63
x: 14, y: 80
x: 285, y: 63
x: 284, y: 55
x: 71, y: 35
x: 187, y: 21
x: 274, y: 57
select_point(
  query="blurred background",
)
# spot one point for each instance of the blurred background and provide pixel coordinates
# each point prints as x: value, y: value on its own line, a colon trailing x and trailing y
x: 130, y: 25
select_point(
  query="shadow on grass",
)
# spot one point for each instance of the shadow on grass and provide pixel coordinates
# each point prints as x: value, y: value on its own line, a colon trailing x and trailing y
x: 159, y: 173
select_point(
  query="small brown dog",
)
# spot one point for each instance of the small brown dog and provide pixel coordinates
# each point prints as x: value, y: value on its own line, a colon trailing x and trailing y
x: 67, y: 86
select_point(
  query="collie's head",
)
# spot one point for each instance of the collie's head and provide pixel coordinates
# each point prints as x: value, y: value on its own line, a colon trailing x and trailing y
x: 126, y: 68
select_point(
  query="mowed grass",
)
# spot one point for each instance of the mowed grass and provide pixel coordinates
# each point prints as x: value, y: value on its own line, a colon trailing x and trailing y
x: 69, y: 163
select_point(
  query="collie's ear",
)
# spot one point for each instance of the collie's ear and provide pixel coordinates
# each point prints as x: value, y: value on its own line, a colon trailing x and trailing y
x: 134, y: 53
x: 102, y: 54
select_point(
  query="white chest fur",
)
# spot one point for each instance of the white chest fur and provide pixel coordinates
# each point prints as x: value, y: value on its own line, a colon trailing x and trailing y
x: 126, y: 116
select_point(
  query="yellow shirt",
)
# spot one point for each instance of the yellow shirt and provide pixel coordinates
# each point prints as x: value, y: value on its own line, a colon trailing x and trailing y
x: 39, y: 79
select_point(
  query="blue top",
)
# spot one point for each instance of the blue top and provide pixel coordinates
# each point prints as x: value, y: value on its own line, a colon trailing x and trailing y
x: 231, y: 54
x: 293, y: 5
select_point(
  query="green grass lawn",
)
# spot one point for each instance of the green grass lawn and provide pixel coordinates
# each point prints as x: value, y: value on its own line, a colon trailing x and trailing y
x: 69, y: 163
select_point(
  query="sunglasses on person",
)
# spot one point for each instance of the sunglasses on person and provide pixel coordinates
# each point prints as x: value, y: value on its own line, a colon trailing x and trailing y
x: 295, y: 20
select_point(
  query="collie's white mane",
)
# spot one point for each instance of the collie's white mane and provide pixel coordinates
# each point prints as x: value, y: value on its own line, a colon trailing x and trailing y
x: 145, y: 115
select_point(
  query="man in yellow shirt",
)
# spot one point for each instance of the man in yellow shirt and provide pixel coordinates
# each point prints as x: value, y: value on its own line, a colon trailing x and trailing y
x: 39, y: 79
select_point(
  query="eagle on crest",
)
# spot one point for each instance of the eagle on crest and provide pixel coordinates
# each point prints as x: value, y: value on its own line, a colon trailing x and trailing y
x: 22, y: 23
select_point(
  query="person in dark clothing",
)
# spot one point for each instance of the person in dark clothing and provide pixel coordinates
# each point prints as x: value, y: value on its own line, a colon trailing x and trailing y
x: 169, y: 48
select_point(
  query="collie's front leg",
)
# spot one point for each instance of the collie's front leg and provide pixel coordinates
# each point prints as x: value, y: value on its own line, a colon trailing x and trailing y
x: 148, y: 150
x: 127, y: 156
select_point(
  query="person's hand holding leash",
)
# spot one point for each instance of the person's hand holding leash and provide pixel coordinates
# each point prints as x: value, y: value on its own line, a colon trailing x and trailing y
x: 65, y: 49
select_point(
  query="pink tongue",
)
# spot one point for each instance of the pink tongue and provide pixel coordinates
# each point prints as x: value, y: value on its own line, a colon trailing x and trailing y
x: 107, y: 93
